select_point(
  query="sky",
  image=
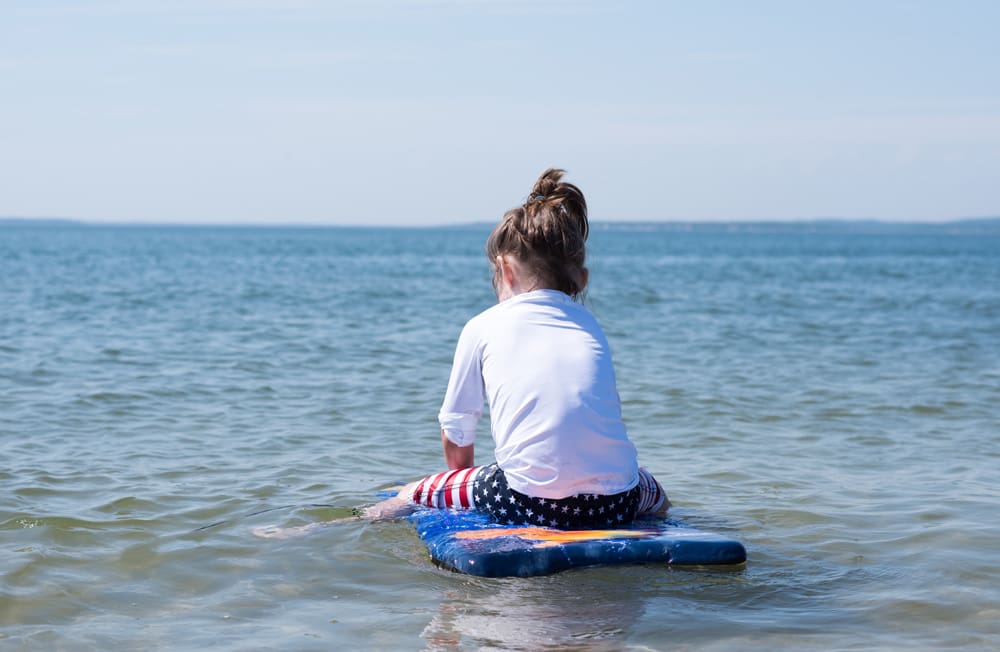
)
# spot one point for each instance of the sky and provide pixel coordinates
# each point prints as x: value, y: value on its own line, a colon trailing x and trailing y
x: 436, y: 112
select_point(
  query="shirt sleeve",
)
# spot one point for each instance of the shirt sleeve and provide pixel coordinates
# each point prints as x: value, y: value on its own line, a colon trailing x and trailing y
x: 463, y: 402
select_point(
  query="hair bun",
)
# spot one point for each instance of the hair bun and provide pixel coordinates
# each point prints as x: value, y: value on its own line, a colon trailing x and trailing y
x: 546, y: 185
x: 548, y: 233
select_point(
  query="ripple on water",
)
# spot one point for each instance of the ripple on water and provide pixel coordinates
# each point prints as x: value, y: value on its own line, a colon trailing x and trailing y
x: 829, y: 399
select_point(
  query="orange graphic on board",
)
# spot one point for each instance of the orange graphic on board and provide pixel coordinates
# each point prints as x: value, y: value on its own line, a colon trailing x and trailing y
x: 546, y: 537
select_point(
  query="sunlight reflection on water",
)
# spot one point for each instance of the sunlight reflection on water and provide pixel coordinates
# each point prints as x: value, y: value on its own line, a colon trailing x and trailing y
x: 829, y: 399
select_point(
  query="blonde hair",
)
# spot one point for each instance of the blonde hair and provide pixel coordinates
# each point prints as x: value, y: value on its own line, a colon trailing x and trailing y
x: 547, y: 234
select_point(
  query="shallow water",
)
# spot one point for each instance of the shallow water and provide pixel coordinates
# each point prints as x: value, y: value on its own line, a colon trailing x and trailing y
x: 830, y: 397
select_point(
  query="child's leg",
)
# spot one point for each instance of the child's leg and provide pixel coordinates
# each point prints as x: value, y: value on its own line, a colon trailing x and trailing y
x: 395, y: 507
x: 447, y: 490
x: 653, y: 499
x: 451, y: 489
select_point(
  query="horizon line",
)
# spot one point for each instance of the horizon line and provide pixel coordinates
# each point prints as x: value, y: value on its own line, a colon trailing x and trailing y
x: 873, y: 221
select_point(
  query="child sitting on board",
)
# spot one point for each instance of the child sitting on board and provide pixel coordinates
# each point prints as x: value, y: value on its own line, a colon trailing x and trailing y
x: 541, y: 361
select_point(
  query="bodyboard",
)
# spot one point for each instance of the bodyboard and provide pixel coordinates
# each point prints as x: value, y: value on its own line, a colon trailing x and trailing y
x: 472, y: 542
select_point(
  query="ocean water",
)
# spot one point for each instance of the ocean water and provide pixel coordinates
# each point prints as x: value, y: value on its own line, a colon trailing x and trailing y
x: 830, y: 396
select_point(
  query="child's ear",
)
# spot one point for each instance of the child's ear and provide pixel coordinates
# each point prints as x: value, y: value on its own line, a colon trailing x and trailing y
x: 506, y: 270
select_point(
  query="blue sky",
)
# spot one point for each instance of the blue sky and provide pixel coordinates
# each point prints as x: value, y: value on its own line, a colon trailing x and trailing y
x: 444, y: 111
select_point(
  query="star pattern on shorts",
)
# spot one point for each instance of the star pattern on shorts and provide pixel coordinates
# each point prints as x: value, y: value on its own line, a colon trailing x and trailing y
x: 583, y: 511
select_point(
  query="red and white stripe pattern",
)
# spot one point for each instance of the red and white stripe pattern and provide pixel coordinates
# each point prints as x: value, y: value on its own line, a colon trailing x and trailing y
x: 651, y: 496
x: 447, y: 490
x: 453, y: 490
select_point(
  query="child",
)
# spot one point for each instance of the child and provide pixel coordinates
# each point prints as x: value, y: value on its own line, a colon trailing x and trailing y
x: 563, y: 458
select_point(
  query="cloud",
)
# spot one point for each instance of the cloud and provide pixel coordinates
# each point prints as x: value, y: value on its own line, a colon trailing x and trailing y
x: 270, y: 59
x: 124, y: 8
x: 720, y: 56
x: 459, y: 122
x: 798, y: 132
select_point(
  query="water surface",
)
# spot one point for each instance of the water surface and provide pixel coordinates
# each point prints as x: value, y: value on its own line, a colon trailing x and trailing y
x: 830, y: 397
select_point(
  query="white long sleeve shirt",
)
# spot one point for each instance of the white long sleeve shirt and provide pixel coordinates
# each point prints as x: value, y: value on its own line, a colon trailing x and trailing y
x: 544, y: 365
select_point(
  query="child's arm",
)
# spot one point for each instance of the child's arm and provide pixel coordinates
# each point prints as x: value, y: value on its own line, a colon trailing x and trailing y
x: 455, y: 456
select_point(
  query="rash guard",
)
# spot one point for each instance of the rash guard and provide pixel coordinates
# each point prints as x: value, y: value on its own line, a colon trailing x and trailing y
x: 543, y: 364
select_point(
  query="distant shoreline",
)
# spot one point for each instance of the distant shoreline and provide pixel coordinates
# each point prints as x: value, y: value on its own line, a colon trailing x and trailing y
x: 974, y: 225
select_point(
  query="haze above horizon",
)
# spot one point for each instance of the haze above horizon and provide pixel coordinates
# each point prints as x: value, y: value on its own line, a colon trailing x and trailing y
x: 431, y: 112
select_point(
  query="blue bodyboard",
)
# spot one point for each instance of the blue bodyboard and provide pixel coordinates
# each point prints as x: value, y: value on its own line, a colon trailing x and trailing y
x: 471, y: 542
